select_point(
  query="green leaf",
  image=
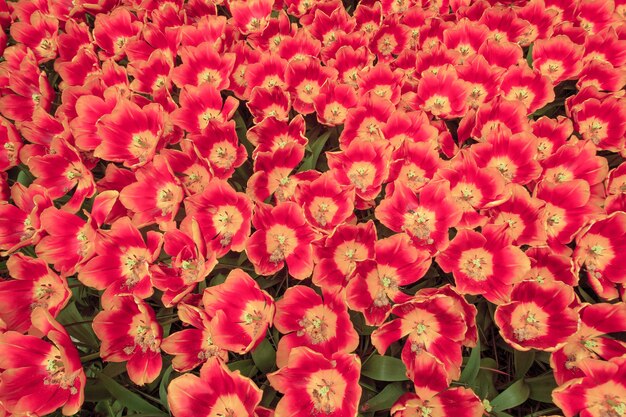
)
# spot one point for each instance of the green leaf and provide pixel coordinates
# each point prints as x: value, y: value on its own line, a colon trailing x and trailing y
x: 523, y: 362
x: 544, y: 412
x: 109, y: 408
x: 25, y: 177
x: 511, y: 397
x: 244, y: 366
x: 529, y: 55
x: 370, y: 387
x: 82, y: 332
x: 264, y: 356
x: 165, y: 380
x: 242, y: 258
x: 588, y: 298
x: 95, y: 392
x: 316, y: 149
x: 384, y: 368
x: 217, y: 280
x: 266, y: 283
x: 543, y: 357
x: 483, y: 385
x: 470, y: 372
x: 114, y: 369
x: 128, y: 398
x: 269, y: 394
x: 541, y: 388
x: 242, y: 132
x: 385, y: 399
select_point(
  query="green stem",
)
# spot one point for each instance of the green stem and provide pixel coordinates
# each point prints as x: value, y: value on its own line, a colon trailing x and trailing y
x: 90, y: 357
x: 169, y: 321
x: 231, y: 266
x: 77, y: 323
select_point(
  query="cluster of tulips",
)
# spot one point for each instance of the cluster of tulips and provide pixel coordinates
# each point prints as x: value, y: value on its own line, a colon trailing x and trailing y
x: 256, y: 208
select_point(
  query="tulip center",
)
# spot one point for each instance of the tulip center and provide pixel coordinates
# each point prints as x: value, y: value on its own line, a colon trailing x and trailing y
x: 223, y: 155
x: 599, y: 253
x: 141, y: 144
x: 476, y: 93
x: 167, y: 199
x: 314, y: 327
x: 335, y: 113
x: 227, y: 221
x: 210, y: 349
x: 467, y: 195
x: 81, y: 237
x: 437, y: 104
x: 414, y: 175
x: 606, y: 405
x: 620, y: 408
x: 208, y: 76
x: 145, y: 339
x: 387, y: 44
x: 45, y: 44
x: 43, y: 293
x: 119, y: 43
x: 207, y: 116
x: 530, y: 323
x: 476, y: 264
x: 362, y: 175
x: 387, y: 287
x: 159, y: 82
x: 252, y: 317
x: 323, y: 209
x: 505, y: 170
x: 521, y: 94
x: 382, y: 92
x: 596, y: 250
x: 57, y: 375
x: 554, y: 220
x: 73, y: 173
x: 254, y: 25
x: 590, y: 344
x: 28, y: 230
x: 594, y: 129
x: 530, y: 318
x: 135, y: 267
x: 324, y: 397
x: 191, y: 271
x: 426, y: 411
x: 418, y: 223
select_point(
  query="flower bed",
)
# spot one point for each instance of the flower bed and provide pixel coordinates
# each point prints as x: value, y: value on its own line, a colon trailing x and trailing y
x: 413, y: 208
